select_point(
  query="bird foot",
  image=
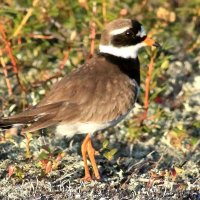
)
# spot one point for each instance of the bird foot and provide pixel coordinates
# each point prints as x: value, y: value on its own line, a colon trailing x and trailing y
x: 98, y: 178
x: 87, y: 178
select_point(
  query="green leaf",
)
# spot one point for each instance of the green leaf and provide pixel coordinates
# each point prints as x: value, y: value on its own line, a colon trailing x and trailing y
x: 43, y: 155
x: 105, y: 144
x: 109, y: 155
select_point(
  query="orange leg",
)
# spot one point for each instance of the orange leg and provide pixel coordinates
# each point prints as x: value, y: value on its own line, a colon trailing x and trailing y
x: 91, y: 153
x: 88, y: 148
x: 87, y: 176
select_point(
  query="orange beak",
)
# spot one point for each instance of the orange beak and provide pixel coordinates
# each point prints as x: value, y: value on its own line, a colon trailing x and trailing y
x: 150, y: 42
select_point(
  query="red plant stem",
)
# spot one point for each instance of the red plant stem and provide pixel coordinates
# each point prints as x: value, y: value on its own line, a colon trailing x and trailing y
x: 9, y: 50
x: 66, y: 56
x: 39, y: 83
x: 147, y: 86
x: 19, y: 40
x: 92, y: 37
x: 10, y: 54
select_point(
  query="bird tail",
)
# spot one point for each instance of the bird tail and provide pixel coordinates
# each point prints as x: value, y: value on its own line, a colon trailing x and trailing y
x: 9, y: 122
x: 37, y: 117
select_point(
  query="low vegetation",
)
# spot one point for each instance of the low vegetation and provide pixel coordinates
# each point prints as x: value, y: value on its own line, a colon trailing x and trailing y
x: 152, y: 155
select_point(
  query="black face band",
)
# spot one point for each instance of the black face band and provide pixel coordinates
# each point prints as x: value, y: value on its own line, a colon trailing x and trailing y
x: 127, y: 38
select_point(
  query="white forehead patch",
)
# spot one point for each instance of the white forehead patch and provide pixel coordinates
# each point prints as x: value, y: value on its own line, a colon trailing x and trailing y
x: 141, y: 33
x: 119, y: 31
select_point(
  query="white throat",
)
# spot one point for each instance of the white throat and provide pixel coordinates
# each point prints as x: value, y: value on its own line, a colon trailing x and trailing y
x: 124, y: 52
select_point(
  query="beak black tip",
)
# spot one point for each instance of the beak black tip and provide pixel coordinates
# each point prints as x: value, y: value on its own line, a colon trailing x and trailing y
x: 156, y: 44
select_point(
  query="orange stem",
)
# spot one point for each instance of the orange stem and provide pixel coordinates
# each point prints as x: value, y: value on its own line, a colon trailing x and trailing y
x: 10, y: 55
x: 92, y: 37
x: 8, y: 48
x: 147, y: 86
x: 66, y: 56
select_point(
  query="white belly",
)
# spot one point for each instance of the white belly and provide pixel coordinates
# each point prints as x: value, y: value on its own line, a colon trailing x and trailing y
x: 70, y: 130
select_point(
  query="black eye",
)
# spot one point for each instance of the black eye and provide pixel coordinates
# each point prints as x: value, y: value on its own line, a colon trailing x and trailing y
x: 128, y: 33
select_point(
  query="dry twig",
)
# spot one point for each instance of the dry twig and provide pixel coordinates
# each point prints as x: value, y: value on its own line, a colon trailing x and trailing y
x: 104, y: 13
x: 25, y: 19
x: 93, y: 31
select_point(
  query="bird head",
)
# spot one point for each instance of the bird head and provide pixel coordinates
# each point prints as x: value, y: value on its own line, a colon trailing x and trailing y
x: 124, y: 37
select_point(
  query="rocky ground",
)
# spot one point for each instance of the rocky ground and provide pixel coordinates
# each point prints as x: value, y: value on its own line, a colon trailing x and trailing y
x: 163, y: 163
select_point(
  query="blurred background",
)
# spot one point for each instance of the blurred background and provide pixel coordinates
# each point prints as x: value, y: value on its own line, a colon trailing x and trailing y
x: 41, y: 41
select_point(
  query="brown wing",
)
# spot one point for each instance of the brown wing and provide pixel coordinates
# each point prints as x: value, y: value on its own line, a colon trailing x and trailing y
x: 96, y: 92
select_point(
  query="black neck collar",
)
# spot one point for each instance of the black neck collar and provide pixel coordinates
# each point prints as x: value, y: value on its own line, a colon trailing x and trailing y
x: 129, y: 66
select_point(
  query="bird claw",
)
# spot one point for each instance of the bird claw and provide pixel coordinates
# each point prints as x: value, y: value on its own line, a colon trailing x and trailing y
x: 98, y: 178
x: 87, y: 178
